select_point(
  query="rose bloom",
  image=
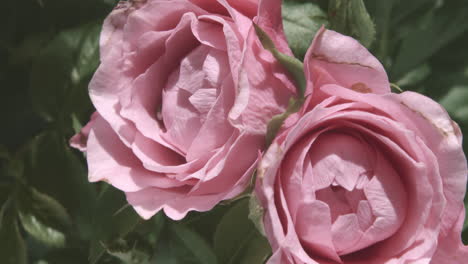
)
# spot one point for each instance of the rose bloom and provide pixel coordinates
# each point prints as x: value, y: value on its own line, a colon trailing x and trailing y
x: 362, y: 175
x: 183, y: 95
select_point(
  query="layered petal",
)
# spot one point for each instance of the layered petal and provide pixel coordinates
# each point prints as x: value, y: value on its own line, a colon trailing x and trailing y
x: 171, y: 73
x: 337, y: 59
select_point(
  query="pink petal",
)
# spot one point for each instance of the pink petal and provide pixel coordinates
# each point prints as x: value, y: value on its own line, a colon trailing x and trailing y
x: 216, y: 129
x: 270, y: 20
x: 80, y: 139
x: 346, y: 61
x: 315, y: 229
x: 346, y: 233
x: 450, y: 249
x: 110, y: 160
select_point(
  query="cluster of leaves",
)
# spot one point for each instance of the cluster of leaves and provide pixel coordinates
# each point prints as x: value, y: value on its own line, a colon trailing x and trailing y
x: 49, y: 213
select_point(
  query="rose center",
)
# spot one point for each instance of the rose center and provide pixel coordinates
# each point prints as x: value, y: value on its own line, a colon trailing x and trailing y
x: 191, y: 93
x: 365, y: 197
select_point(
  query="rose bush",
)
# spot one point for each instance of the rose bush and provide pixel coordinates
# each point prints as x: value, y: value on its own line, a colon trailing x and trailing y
x: 362, y: 175
x: 183, y: 94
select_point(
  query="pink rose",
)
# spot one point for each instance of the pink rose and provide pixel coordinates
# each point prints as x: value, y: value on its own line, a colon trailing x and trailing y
x: 362, y: 175
x: 183, y: 95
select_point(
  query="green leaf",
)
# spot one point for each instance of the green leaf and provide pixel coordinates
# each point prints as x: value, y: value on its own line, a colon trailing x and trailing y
x: 351, y: 18
x: 205, y: 222
x: 456, y: 103
x: 70, y: 58
x: 12, y: 246
x: 237, y: 240
x: 200, y: 249
x: 180, y: 245
x: 301, y: 20
x: 435, y: 30
x: 113, y: 219
x: 52, y: 169
x: 130, y: 251
x: 43, y: 217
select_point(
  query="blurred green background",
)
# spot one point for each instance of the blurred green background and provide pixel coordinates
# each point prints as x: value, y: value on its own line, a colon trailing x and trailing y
x: 49, y: 213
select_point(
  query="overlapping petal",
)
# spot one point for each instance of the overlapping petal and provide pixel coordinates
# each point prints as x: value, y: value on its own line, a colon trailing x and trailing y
x: 361, y: 175
x: 171, y: 74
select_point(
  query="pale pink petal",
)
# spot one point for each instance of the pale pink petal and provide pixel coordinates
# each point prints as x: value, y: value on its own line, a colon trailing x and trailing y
x: 209, y: 31
x: 158, y: 158
x: 80, y: 139
x: 110, y: 160
x: 346, y: 61
x: 346, y: 233
x: 236, y: 162
x: 438, y: 132
x: 314, y: 227
x: 341, y: 158
x: 270, y: 20
x: 216, y: 69
x: 260, y: 94
x: 450, y: 248
x: 216, y: 129
x: 176, y: 203
x: 364, y: 214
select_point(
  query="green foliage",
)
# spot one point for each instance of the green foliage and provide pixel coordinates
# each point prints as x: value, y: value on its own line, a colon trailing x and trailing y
x: 439, y: 26
x: 112, y: 220
x: 199, y: 248
x: 351, y: 18
x: 301, y: 20
x: 43, y: 217
x: 180, y: 245
x: 12, y: 245
x: 63, y: 68
x: 237, y: 240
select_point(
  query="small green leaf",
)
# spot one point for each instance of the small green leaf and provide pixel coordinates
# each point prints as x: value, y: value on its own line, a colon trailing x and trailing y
x: 351, y: 18
x: 237, y: 240
x: 294, y: 66
x: 12, y: 246
x: 130, y: 251
x: 196, y: 244
x: 301, y: 21
x: 43, y: 217
x: 456, y: 103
